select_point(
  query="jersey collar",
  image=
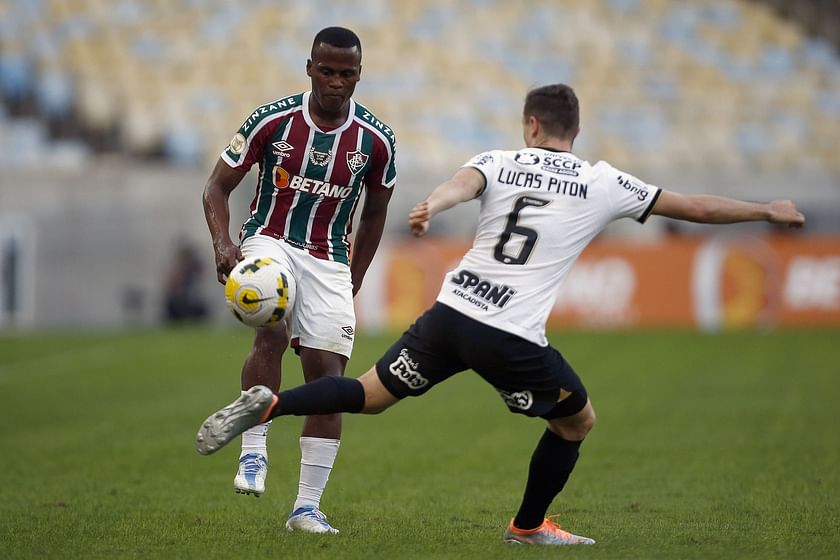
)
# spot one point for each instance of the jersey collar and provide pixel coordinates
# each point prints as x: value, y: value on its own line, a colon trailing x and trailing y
x: 308, y: 118
x: 546, y: 148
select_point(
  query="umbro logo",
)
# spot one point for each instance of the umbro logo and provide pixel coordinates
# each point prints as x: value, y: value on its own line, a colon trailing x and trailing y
x: 282, y: 148
x: 348, y: 330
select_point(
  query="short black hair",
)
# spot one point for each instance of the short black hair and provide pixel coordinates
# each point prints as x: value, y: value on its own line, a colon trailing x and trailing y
x: 556, y: 107
x: 340, y: 37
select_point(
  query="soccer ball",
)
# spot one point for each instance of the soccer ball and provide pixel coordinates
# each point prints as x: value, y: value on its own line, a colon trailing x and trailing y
x: 260, y: 291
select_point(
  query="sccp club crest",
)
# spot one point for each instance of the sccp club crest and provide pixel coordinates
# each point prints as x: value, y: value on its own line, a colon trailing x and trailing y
x: 356, y: 161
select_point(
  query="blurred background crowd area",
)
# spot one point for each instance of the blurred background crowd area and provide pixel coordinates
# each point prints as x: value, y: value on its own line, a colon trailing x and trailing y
x: 663, y: 83
x: 112, y: 112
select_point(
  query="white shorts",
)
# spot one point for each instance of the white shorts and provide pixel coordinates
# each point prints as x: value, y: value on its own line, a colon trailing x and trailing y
x: 322, y: 315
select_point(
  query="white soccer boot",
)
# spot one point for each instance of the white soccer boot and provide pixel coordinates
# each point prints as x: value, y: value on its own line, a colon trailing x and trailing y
x: 221, y: 427
x: 310, y: 519
x: 251, y: 476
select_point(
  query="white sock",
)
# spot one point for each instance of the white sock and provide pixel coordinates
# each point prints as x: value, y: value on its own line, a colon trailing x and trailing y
x: 317, y: 456
x: 254, y: 440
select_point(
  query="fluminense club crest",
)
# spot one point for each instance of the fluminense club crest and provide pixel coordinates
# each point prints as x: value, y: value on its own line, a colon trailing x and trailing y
x: 356, y: 161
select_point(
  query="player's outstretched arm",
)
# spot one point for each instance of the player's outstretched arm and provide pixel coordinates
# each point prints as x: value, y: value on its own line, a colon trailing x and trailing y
x: 465, y: 185
x: 710, y: 209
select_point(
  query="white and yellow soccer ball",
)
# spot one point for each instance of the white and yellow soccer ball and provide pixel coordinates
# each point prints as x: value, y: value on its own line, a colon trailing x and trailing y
x: 260, y: 291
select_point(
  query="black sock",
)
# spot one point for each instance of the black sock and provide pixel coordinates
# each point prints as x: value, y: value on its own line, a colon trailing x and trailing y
x: 326, y: 395
x: 551, y: 464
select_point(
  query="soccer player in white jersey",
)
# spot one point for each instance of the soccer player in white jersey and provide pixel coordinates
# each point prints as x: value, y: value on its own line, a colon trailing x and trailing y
x: 540, y: 207
x: 317, y: 152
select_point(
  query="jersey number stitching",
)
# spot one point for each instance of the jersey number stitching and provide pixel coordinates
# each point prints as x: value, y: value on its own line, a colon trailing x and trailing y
x: 512, y: 226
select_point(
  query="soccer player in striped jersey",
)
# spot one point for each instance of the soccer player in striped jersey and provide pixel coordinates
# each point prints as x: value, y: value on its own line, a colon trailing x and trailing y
x: 317, y: 152
x: 540, y: 207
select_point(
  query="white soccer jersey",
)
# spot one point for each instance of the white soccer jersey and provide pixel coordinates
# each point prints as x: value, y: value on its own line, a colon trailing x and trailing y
x: 539, y: 210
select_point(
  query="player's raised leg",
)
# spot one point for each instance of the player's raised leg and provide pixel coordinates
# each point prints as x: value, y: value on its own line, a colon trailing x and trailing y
x: 262, y: 367
x: 327, y: 395
x: 551, y: 464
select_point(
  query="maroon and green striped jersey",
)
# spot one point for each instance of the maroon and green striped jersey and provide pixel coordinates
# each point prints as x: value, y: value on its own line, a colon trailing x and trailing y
x: 311, y: 180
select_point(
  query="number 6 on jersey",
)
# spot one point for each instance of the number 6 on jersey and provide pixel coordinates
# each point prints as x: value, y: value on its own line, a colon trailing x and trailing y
x: 512, y: 227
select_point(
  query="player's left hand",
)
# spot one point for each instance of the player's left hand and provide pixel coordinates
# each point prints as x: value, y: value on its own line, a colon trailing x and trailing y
x: 418, y: 219
x: 227, y: 256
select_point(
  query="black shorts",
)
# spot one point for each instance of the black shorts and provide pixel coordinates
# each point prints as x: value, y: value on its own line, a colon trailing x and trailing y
x: 532, y: 380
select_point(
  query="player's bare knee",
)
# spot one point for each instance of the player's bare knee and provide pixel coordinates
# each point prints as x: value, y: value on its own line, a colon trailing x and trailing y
x: 376, y: 408
x: 377, y: 397
x: 570, y: 432
x: 376, y: 402
x: 587, y: 422
x: 575, y: 427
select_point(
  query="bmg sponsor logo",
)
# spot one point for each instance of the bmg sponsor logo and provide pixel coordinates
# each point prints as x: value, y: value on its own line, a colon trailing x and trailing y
x: 405, y: 369
x: 632, y: 185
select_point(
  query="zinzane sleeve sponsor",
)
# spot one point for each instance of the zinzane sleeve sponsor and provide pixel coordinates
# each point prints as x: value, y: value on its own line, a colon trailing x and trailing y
x: 486, y: 163
x: 630, y: 197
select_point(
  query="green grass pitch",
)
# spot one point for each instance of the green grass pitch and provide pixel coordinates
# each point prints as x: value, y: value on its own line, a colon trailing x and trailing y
x: 706, y: 446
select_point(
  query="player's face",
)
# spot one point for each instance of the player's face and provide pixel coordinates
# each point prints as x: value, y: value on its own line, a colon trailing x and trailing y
x: 334, y: 73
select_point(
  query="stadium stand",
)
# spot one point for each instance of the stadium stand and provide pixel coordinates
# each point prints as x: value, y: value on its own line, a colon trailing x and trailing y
x: 671, y: 84
x: 113, y: 111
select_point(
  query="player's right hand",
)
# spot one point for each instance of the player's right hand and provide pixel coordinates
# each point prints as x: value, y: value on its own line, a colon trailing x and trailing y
x: 227, y: 255
x: 784, y: 212
x: 418, y: 219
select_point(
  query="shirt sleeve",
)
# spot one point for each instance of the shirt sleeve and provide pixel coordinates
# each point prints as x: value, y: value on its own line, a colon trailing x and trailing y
x: 246, y: 146
x: 383, y: 172
x: 630, y: 197
x: 486, y: 163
